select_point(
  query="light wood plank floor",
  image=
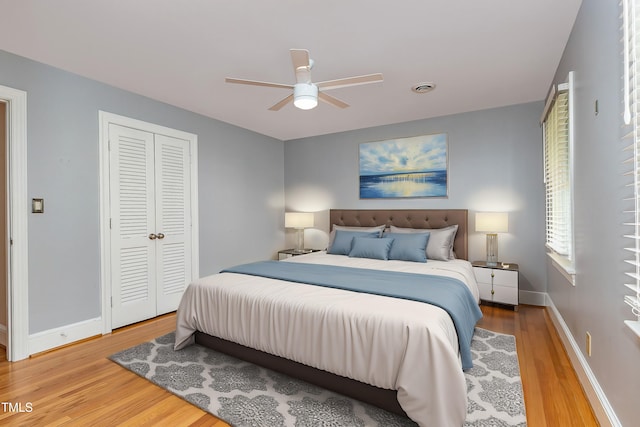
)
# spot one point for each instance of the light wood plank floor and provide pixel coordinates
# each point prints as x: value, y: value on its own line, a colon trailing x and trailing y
x: 79, y: 386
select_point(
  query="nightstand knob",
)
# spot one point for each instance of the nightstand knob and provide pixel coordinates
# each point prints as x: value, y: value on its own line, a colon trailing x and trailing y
x: 492, y: 292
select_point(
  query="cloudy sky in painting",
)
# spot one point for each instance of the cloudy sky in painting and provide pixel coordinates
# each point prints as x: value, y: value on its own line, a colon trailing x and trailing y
x: 415, y: 154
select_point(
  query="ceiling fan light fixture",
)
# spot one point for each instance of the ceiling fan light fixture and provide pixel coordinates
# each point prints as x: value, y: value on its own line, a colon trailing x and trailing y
x: 305, y: 96
x: 306, y: 93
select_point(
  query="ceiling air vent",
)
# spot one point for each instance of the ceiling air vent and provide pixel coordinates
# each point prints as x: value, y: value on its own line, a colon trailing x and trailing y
x: 423, y: 87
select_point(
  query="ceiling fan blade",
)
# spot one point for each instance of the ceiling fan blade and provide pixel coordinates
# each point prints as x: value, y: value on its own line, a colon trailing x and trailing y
x: 350, y: 81
x: 332, y: 100
x: 257, y: 83
x: 300, y: 58
x: 282, y: 103
x: 301, y: 65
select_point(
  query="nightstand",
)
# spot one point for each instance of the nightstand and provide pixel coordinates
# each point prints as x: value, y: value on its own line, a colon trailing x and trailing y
x: 288, y: 253
x: 498, y: 284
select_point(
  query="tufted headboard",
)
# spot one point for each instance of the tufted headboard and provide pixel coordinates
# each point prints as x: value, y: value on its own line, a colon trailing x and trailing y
x: 408, y: 218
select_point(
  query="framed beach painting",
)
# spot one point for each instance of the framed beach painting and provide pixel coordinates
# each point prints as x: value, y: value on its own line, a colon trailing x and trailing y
x: 404, y: 167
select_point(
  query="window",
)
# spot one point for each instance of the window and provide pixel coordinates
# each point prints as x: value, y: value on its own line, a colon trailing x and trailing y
x: 631, y: 141
x: 558, y: 176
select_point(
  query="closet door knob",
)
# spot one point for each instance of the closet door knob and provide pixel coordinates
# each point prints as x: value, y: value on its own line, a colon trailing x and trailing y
x: 152, y: 236
x: 160, y: 236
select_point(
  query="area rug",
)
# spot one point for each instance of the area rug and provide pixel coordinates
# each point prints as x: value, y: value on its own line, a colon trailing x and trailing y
x: 244, y: 394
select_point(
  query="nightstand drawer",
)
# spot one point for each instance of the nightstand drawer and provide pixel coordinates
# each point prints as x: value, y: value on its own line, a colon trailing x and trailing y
x: 501, y: 294
x: 483, y: 275
x: 505, y: 278
x: 500, y: 277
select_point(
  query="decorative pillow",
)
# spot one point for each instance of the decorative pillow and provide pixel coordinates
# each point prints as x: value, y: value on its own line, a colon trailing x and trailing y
x: 440, y: 246
x: 367, y: 247
x: 332, y: 235
x: 409, y: 246
x: 342, y: 243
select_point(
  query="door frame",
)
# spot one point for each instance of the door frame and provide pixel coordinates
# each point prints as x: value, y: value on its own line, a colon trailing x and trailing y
x: 17, y: 215
x: 105, y: 218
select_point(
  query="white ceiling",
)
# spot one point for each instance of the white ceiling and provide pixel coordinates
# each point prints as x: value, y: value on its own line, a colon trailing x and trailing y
x: 480, y: 53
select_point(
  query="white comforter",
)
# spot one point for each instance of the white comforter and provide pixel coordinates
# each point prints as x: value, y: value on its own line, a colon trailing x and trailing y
x: 395, y: 344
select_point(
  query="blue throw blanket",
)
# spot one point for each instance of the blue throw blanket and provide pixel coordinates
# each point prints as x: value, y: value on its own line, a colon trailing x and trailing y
x: 447, y: 293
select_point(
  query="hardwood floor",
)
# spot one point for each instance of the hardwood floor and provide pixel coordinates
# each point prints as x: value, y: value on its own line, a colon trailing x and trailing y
x: 552, y: 393
x: 79, y: 386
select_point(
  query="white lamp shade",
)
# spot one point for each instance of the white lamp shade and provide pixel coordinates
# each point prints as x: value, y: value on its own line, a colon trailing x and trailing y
x: 492, y: 222
x: 298, y: 219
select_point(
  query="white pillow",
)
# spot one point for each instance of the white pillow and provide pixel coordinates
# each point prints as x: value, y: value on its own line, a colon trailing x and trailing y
x: 335, y: 227
x: 440, y: 245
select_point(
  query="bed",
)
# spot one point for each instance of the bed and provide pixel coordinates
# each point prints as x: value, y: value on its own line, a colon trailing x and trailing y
x: 401, y: 354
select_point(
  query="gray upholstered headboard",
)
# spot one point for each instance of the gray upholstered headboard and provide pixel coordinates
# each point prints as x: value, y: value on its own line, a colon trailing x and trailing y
x: 408, y: 218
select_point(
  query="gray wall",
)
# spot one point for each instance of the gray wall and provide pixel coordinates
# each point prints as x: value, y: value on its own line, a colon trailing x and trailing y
x: 495, y: 164
x: 240, y: 187
x: 595, y: 304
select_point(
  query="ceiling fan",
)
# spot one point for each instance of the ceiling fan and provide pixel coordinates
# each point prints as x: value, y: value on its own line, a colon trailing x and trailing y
x: 306, y: 93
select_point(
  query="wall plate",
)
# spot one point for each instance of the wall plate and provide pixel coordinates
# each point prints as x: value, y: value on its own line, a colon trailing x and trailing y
x: 37, y: 205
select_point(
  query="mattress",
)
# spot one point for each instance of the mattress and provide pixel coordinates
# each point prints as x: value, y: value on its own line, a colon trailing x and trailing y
x: 391, y: 343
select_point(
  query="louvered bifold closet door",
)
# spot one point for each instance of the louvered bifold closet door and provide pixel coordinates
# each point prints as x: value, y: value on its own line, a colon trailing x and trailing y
x: 133, y: 253
x: 173, y: 220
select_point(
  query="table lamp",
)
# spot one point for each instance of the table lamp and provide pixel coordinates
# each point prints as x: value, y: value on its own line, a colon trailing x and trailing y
x: 492, y: 223
x: 299, y: 221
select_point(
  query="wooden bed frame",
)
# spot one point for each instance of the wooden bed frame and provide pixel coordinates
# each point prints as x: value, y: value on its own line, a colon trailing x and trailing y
x: 382, y: 398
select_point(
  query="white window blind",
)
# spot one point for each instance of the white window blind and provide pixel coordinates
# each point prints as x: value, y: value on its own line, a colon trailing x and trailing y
x: 557, y: 174
x: 631, y: 32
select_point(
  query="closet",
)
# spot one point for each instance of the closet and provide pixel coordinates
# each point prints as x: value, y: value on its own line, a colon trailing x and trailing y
x: 150, y: 222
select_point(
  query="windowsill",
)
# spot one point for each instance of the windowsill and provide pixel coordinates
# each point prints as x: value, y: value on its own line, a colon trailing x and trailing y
x: 564, y: 266
x: 634, y: 326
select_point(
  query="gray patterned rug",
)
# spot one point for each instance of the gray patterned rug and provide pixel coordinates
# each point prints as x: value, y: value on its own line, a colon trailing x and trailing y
x: 244, y: 394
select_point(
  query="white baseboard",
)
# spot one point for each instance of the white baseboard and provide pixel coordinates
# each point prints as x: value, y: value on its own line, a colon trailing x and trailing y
x: 46, y: 340
x: 532, y: 298
x: 3, y: 335
x: 599, y: 402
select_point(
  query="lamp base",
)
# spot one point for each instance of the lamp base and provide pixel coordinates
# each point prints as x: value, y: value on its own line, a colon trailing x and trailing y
x: 492, y: 249
x: 299, y: 240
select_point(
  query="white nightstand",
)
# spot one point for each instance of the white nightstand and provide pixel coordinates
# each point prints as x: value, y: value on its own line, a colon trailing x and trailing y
x: 498, y: 284
x: 288, y: 253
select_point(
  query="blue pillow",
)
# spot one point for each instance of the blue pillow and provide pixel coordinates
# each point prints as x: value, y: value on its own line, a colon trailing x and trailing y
x: 342, y: 242
x: 367, y: 247
x: 409, y: 247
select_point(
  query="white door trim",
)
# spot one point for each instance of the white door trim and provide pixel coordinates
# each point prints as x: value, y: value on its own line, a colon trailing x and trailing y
x: 18, y: 271
x: 105, y: 242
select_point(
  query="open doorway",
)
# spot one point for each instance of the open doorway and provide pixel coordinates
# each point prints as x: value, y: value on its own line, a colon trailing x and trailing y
x: 15, y: 210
